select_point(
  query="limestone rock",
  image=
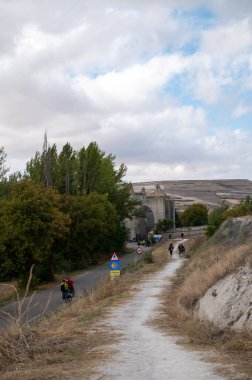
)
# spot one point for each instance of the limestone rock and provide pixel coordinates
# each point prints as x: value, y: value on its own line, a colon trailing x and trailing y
x: 229, y: 302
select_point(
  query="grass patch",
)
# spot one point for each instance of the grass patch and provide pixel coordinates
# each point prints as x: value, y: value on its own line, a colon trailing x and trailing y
x: 148, y: 258
x: 132, y: 267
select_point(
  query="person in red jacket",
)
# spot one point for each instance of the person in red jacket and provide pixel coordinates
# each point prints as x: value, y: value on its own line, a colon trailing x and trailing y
x: 70, y: 285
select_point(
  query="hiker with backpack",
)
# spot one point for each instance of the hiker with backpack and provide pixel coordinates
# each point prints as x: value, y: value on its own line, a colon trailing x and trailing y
x: 70, y: 283
x: 170, y: 249
x: 63, y: 288
x: 181, y: 249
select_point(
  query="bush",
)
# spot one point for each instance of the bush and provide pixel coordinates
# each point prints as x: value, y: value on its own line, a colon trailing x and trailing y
x: 195, y: 215
x: 148, y: 258
x: 216, y: 218
x: 133, y: 267
x: 163, y: 225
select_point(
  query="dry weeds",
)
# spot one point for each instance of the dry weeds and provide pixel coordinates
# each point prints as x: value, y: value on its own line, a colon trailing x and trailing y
x: 70, y: 343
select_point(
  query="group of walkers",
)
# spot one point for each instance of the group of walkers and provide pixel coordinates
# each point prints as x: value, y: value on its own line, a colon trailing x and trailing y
x: 67, y: 289
x: 181, y: 249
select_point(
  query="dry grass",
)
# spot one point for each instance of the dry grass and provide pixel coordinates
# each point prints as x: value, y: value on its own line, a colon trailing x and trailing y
x: 206, y: 269
x: 70, y: 343
x: 208, y: 265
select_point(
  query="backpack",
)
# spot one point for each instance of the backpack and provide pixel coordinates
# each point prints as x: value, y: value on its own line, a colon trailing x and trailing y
x: 70, y: 282
x: 63, y: 287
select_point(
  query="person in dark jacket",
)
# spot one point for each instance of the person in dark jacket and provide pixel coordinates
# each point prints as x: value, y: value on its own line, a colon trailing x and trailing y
x: 181, y: 249
x: 170, y: 249
x: 63, y: 288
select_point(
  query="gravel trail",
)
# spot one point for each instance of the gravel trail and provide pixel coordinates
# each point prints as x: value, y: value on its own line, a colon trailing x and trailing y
x: 143, y: 352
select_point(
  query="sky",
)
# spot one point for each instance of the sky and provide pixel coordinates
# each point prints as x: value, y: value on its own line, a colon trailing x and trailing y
x: 164, y: 85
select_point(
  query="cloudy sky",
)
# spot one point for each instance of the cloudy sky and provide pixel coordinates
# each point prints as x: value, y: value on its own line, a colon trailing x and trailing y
x: 165, y: 85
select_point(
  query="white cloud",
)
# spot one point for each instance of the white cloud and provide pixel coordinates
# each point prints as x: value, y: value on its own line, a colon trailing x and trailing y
x: 229, y: 39
x: 242, y: 110
x: 122, y: 73
x: 133, y: 87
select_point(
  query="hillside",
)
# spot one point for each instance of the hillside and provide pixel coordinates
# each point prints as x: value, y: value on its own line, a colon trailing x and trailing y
x: 228, y: 302
x: 210, y: 192
x: 210, y: 299
x: 216, y: 284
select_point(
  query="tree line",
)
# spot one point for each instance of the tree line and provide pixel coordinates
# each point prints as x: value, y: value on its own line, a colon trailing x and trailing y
x: 197, y: 215
x: 64, y: 213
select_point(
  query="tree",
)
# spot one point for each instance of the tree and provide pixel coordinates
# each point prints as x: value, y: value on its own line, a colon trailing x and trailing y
x: 89, y: 170
x: 6, y: 185
x: 83, y: 172
x: 93, y: 229
x: 67, y: 171
x: 163, y: 225
x: 195, y: 215
x: 215, y: 218
x: 30, y: 223
x: 219, y: 214
x: 34, y: 169
x: 242, y: 209
x: 3, y: 169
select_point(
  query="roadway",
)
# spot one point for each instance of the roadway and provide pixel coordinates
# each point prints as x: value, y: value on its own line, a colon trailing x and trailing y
x: 49, y: 300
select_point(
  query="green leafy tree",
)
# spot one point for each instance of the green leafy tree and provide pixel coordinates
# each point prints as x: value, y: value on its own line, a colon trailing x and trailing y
x: 34, y: 169
x: 163, y: 225
x: 67, y: 171
x: 195, y: 215
x: 30, y: 223
x: 6, y: 185
x: 89, y: 170
x: 3, y: 169
x: 93, y: 229
x: 54, y: 166
x: 83, y: 172
x: 244, y: 208
x: 219, y: 214
x: 139, y: 212
x: 216, y: 218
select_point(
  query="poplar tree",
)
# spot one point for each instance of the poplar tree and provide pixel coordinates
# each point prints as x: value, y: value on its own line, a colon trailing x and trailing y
x: 3, y: 169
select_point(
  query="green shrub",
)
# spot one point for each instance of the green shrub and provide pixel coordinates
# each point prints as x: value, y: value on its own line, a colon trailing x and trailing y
x: 148, y: 258
x: 133, y: 267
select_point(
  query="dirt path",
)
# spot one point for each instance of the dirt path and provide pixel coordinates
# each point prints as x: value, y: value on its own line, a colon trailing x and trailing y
x: 143, y: 352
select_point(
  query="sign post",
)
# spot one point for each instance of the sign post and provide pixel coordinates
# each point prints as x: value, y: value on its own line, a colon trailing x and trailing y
x: 139, y: 250
x: 115, y: 267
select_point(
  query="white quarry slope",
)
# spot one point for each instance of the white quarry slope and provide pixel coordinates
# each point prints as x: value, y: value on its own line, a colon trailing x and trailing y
x: 229, y: 302
x: 144, y: 353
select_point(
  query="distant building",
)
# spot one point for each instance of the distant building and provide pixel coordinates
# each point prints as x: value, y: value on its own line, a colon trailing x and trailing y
x: 156, y: 205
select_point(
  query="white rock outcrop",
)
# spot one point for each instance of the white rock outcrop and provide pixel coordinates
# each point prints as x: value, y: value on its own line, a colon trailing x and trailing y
x: 229, y: 302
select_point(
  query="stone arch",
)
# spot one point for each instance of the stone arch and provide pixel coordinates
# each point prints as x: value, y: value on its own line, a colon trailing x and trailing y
x: 154, y: 206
